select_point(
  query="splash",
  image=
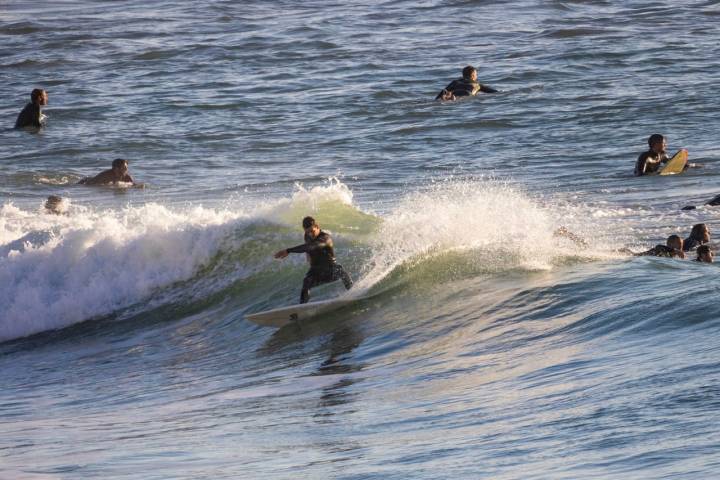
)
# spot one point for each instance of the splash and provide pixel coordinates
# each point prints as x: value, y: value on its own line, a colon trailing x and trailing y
x: 63, y: 269
x: 471, y: 226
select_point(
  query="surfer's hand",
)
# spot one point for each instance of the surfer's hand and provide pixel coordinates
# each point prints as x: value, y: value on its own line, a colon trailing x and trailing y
x: 281, y: 254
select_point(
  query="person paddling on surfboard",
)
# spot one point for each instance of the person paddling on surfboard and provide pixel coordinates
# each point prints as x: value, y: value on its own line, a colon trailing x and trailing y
x: 319, y: 248
x: 465, y: 86
x: 118, y: 173
x: 673, y: 248
x: 649, y: 162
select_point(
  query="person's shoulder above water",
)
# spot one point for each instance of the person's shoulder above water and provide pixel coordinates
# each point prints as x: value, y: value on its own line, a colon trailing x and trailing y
x: 465, y: 86
x: 118, y: 173
x: 31, y: 115
x: 699, y: 235
x: 673, y: 248
x: 649, y: 162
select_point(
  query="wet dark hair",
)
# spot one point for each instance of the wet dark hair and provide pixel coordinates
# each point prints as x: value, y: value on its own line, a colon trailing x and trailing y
x: 35, y: 94
x: 655, y: 138
x: 703, y: 250
x: 53, y: 204
x: 467, y: 71
x: 697, y: 231
x: 674, y: 239
x: 308, y: 222
x: 118, y: 162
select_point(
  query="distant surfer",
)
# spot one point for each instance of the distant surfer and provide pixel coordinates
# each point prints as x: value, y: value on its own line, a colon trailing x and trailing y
x: 465, y: 86
x: 649, y: 162
x: 118, y: 173
x: 704, y: 254
x: 673, y: 248
x: 319, y: 248
x: 55, y: 205
x: 699, y: 235
x: 31, y: 116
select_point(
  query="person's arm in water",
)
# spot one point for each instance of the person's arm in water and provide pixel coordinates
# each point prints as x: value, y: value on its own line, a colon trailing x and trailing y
x: 486, y: 89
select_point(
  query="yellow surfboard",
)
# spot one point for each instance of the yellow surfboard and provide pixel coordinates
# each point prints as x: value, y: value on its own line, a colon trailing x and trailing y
x: 676, y: 164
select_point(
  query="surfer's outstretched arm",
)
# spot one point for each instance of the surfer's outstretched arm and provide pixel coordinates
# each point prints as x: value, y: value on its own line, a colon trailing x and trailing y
x: 310, y: 247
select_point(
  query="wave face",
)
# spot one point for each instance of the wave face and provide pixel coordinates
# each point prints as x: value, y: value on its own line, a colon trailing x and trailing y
x: 89, y: 263
x: 496, y: 332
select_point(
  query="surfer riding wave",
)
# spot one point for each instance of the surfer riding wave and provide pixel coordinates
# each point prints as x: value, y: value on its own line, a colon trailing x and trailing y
x: 319, y: 248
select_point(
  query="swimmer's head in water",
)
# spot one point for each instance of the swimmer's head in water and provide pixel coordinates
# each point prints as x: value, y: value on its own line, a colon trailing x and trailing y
x: 39, y: 96
x: 657, y: 143
x: 673, y: 241
x: 469, y: 73
x: 54, y: 204
x: 120, y: 165
x: 705, y: 254
x: 700, y: 232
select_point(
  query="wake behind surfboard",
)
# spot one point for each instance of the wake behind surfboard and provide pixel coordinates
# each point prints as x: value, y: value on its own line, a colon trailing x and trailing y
x: 279, y: 317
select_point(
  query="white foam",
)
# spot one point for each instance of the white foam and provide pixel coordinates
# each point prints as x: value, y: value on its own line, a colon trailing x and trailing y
x: 96, y: 262
x: 501, y: 223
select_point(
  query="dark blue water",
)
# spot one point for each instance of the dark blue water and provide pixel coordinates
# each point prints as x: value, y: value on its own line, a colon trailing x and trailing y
x: 488, y: 348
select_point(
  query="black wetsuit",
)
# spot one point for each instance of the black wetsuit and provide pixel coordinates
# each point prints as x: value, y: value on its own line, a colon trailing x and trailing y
x: 691, y: 243
x: 715, y: 201
x: 464, y: 87
x: 642, y: 167
x: 29, y: 116
x: 323, y: 268
x: 660, y: 251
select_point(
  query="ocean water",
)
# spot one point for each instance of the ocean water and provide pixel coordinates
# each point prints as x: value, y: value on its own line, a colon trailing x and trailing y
x: 485, y: 347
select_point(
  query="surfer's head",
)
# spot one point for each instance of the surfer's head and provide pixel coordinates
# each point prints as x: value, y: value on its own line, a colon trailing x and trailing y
x: 700, y: 232
x: 704, y: 254
x: 120, y: 166
x: 39, y: 96
x: 311, y: 227
x: 469, y: 73
x: 657, y: 143
x: 673, y: 241
x: 54, y: 204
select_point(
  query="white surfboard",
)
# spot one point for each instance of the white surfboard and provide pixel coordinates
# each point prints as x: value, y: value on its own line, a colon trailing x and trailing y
x: 279, y: 317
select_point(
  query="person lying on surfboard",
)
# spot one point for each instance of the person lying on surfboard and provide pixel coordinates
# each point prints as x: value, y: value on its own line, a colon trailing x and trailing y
x: 673, y: 248
x: 118, y: 173
x: 319, y: 248
x: 465, y: 86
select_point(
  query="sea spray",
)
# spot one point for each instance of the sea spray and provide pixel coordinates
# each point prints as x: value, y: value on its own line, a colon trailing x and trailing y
x: 485, y: 223
x: 96, y: 262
